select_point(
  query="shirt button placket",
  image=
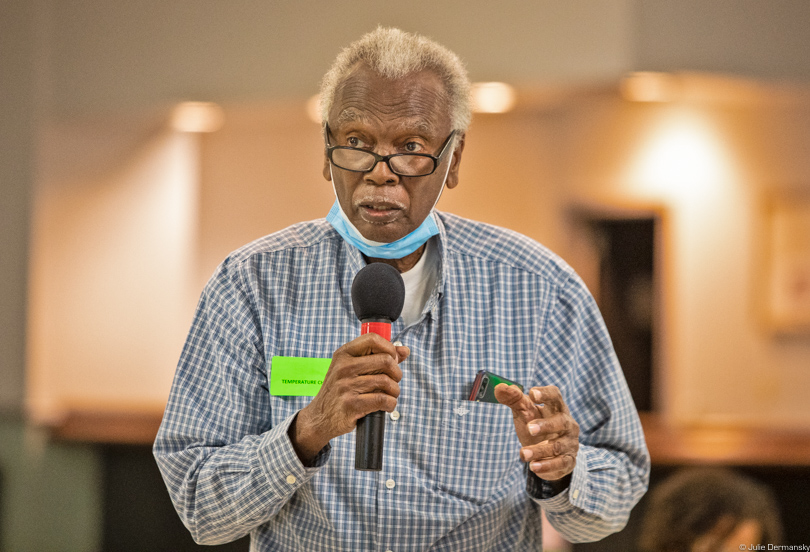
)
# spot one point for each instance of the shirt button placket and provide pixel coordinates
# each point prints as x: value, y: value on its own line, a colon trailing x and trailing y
x: 390, y: 483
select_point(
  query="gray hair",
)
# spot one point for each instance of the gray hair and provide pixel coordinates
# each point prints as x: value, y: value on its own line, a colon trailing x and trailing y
x: 393, y: 53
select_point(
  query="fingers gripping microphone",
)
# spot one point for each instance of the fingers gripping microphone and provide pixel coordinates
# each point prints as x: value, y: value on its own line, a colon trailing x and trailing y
x: 378, y: 294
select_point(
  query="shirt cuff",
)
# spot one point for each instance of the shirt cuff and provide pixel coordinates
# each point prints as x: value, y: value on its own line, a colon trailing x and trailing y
x: 281, y: 466
x: 542, y: 493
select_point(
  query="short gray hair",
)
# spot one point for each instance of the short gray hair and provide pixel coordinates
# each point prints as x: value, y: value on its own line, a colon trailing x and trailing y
x: 393, y: 53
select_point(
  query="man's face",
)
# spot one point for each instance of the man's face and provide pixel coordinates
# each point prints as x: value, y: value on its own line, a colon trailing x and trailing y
x: 407, y: 115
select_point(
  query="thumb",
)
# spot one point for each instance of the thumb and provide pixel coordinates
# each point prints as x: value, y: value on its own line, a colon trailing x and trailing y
x: 403, y: 352
x: 510, y: 395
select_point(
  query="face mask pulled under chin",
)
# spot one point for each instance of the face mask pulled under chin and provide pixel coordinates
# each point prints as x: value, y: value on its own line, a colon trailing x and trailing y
x: 378, y: 250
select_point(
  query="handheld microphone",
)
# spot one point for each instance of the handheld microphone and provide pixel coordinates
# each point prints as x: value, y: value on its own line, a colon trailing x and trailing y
x: 378, y: 295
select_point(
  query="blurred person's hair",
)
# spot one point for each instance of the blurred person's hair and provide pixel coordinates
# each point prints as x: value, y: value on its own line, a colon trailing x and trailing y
x: 692, y: 502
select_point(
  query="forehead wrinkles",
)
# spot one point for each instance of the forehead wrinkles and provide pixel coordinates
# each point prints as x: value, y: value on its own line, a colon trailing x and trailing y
x: 409, y: 103
x: 419, y: 124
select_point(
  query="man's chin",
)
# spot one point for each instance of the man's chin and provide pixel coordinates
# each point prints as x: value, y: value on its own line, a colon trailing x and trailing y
x: 381, y: 232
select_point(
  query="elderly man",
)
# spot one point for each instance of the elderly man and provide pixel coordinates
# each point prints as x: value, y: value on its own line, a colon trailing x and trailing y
x: 241, y: 456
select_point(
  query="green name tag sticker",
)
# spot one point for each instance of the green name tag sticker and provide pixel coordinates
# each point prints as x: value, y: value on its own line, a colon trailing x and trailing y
x: 297, y: 376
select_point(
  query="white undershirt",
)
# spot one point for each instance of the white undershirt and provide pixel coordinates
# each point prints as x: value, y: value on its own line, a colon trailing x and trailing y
x: 419, y: 283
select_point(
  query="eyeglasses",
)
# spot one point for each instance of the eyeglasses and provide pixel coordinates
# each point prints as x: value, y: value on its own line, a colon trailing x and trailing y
x: 402, y: 164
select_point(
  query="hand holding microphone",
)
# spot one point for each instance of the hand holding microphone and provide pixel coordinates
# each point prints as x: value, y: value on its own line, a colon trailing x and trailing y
x: 363, y: 377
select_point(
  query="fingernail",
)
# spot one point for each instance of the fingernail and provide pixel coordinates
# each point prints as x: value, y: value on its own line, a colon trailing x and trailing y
x: 397, y: 343
x: 527, y: 454
x: 534, y: 429
x: 535, y: 466
x: 537, y: 396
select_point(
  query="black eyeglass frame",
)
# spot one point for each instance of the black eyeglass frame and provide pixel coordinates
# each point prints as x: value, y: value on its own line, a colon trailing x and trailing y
x: 378, y: 158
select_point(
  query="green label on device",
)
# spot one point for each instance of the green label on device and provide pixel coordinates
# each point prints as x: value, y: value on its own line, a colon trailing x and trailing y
x: 297, y: 376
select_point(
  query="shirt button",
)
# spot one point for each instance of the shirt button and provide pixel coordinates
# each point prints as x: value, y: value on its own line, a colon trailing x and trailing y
x: 576, y: 493
x: 390, y: 484
x: 291, y: 479
x: 395, y: 415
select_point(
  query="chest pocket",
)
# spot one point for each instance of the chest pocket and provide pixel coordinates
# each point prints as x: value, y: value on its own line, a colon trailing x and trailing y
x: 477, y: 449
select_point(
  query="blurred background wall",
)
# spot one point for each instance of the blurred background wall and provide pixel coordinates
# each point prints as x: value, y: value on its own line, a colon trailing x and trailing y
x: 111, y: 219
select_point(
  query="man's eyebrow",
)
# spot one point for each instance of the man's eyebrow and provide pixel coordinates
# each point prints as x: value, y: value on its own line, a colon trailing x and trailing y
x: 421, y: 125
x: 350, y: 115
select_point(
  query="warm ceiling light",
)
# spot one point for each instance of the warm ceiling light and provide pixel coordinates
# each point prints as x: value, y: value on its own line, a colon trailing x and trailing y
x: 314, y: 108
x: 682, y: 156
x: 646, y: 86
x: 197, y: 117
x: 492, y: 97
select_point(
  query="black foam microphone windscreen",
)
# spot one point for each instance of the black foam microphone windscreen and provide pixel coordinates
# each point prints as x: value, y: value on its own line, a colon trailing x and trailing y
x: 378, y: 292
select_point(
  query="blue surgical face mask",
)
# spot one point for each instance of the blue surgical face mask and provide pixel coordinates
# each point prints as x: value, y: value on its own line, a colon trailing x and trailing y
x: 379, y: 250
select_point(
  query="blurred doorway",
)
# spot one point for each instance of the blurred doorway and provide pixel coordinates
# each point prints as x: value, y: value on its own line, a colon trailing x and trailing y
x: 616, y: 252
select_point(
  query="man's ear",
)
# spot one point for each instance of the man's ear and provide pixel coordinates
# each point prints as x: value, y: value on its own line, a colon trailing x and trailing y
x: 455, y: 162
x: 327, y: 174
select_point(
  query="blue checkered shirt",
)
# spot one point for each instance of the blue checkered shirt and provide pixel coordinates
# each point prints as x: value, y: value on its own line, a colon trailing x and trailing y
x: 452, y: 478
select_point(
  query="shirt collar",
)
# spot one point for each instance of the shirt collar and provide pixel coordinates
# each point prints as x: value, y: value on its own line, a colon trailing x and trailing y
x: 441, y: 243
x: 349, y: 261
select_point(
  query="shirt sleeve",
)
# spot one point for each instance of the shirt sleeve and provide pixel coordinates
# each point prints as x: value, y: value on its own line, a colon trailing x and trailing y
x: 227, y: 470
x: 613, y: 465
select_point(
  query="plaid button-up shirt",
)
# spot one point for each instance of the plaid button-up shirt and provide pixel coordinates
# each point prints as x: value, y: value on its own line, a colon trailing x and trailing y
x: 452, y: 478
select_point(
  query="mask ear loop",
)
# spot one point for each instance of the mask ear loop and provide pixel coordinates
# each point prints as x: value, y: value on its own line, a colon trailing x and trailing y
x: 444, y: 182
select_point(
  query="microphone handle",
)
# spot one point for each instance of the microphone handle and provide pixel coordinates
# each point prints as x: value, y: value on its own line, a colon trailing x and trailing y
x: 368, y: 448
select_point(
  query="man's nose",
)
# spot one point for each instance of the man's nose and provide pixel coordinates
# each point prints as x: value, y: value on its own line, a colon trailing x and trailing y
x: 381, y: 175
